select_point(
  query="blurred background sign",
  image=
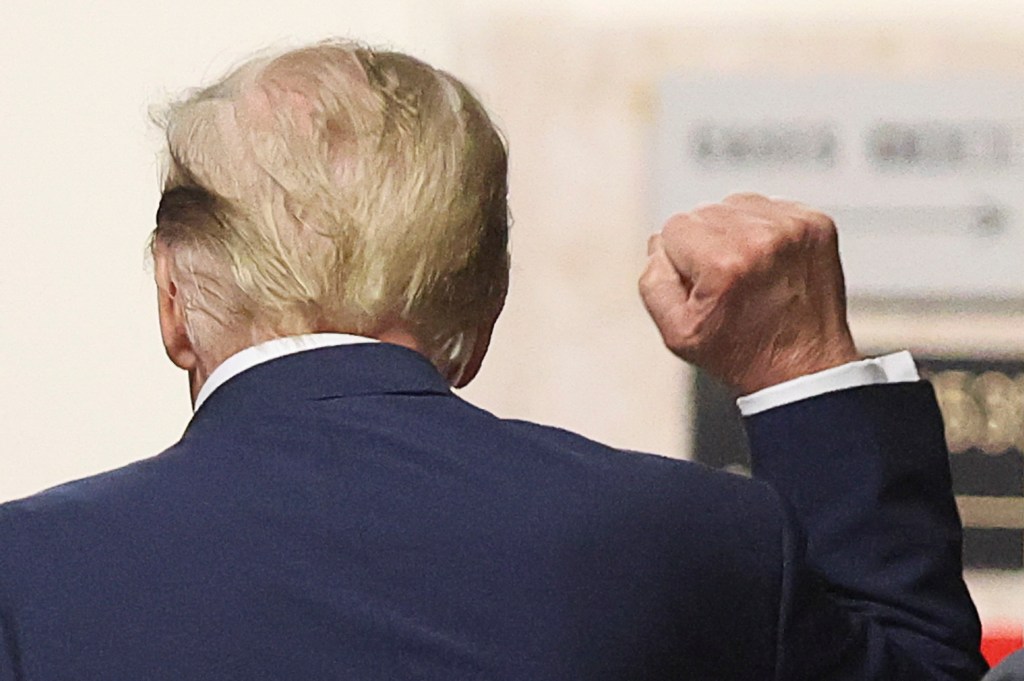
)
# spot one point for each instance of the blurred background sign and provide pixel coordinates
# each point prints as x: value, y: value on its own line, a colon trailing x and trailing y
x: 923, y: 177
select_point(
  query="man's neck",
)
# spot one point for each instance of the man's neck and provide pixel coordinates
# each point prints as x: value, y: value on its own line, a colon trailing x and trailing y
x: 204, y: 384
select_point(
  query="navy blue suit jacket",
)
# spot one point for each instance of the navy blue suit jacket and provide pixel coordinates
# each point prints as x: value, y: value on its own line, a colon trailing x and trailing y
x: 340, y: 514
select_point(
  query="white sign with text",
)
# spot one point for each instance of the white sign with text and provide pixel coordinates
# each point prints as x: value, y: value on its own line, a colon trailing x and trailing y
x: 925, y: 179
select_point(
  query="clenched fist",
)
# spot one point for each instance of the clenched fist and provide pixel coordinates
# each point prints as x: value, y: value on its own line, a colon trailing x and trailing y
x: 750, y: 290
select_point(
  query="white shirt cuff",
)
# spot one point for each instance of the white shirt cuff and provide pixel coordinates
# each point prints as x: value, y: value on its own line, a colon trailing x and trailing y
x: 898, y: 367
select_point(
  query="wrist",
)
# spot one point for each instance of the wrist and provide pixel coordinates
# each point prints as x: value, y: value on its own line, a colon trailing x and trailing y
x: 897, y: 367
x: 798, y: 362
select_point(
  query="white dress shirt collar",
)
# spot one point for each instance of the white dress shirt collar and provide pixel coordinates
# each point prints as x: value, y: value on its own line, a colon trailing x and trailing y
x: 266, y: 351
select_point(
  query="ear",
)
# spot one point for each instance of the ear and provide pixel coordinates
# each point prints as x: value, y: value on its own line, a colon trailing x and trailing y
x: 171, y: 310
x: 481, y: 343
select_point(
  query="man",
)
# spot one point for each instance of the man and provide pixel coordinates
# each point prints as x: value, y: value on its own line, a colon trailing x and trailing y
x: 331, y: 257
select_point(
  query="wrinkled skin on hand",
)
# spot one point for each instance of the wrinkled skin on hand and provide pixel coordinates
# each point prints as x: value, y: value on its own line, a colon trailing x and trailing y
x: 750, y: 290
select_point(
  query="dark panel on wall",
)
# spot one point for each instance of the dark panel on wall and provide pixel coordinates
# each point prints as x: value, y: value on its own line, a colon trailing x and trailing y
x: 993, y: 549
x: 983, y: 407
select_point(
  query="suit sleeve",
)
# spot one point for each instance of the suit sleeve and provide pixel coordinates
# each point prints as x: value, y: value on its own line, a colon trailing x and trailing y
x: 7, y: 672
x: 8, y: 648
x: 872, y: 576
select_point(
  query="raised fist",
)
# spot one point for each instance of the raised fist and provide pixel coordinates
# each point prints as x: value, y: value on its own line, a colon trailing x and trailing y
x: 750, y: 290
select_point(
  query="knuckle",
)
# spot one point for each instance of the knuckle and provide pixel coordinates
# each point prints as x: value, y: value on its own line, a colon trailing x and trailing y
x: 653, y: 243
x: 646, y: 281
x: 763, y: 240
x: 783, y: 203
x: 791, y: 230
x: 820, y: 227
x: 731, y: 265
x: 642, y: 283
x: 815, y: 218
x: 647, y: 277
x: 798, y: 221
x: 656, y: 277
x: 710, y: 211
x: 825, y: 224
x: 746, y: 197
x: 675, y: 227
x: 677, y: 337
x: 677, y: 221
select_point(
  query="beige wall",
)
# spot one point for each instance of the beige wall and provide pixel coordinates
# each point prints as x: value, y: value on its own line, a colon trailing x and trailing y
x: 85, y: 385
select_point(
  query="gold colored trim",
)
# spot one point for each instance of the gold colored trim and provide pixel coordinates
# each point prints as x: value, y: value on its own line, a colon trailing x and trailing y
x: 992, y: 512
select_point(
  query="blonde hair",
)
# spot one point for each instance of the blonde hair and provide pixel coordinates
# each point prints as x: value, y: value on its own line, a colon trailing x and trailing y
x: 335, y: 187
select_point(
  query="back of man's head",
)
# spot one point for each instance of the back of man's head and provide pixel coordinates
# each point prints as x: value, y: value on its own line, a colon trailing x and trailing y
x: 336, y: 188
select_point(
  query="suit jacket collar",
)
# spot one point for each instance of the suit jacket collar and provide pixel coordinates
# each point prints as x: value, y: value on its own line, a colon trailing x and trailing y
x: 324, y: 373
x: 268, y: 350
